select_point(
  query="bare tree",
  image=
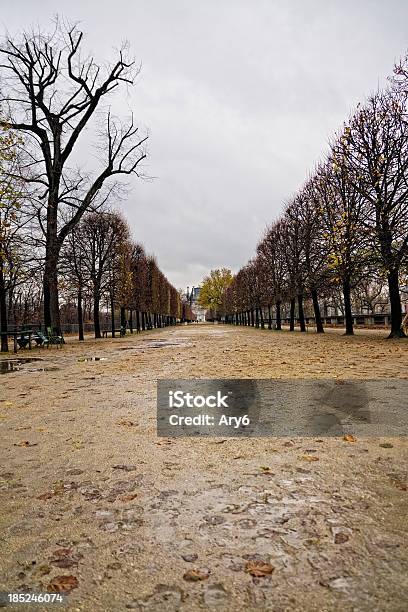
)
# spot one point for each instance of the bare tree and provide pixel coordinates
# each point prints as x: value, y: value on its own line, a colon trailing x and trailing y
x: 271, y: 254
x: 373, y: 152
x: 343, y: 214
x: 51, y: 93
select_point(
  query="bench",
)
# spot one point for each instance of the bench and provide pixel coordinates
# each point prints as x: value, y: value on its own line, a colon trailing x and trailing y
x: 121, y: 331
x: 20, y: 338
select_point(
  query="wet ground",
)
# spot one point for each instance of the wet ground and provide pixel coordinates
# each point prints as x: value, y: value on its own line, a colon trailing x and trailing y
x: 93, y: 502
x: 20, y: 363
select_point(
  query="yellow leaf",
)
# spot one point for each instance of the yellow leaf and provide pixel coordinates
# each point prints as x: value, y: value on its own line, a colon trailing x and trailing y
x: 258, y: 569
x: 349, y: 438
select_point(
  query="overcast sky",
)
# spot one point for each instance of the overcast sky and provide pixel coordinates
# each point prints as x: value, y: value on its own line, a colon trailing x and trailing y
x: 239, y: 97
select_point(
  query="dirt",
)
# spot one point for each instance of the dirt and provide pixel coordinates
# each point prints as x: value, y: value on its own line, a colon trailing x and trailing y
x: 133, y: 521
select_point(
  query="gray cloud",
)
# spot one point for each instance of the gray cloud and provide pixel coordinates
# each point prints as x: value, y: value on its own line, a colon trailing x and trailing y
x: 240, y: 99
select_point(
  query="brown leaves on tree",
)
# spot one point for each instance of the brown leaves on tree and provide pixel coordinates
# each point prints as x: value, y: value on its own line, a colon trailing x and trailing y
x: 259, y: 569
x: 63, y: 584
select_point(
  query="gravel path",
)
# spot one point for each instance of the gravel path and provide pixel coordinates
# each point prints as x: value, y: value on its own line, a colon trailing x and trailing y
x: 132, y: 521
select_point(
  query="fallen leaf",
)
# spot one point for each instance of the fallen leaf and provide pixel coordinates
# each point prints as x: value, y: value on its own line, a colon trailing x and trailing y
x: 265, y: 468
x: 259, y: 569
x: 126, y: 468
x: 45, y: 496
x: 386, y: 445
x: 26, y: 443
x: 190, y: 558
x: 309, y: 458
x: 349, y: 438
x: 124, y: 423
x: 341, y: 538
x: 128, y: 497
x: 63, y: 557
x: 194, y: 575
x: 63, y: 584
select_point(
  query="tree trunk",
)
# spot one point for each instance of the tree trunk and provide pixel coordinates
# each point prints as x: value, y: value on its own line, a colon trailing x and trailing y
x: 131, y: 321
x: 316, y: 308
x: 50, y: 290
x: 347, y: 307
x: 395, y: 302
x: 261, y: 317
x: 3, y: 310
x: 112, y: 307
x: 301, y: 313
x: 292, y: 315
x: 269, y: 317
x: 278, y: 316
x: 96, y: 317
x: 80, y: 316
x: 122, y: 316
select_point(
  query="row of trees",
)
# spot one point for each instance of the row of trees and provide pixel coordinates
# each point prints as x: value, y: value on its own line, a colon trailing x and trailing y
x: 102, y: 272
x: 347, y: 226
x: 52, y: 96
x: 60, y: 242
x: 101, y: 264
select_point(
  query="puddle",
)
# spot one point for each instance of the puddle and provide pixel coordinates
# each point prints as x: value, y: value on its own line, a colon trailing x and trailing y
x: 161, y: 343
x: 81, y: 359
x: 14, y: 365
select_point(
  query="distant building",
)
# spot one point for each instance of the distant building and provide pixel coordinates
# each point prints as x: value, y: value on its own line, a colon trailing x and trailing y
x: 192, y: 298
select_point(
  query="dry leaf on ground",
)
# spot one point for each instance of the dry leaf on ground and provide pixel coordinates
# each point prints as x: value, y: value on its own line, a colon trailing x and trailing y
x: 194, y: 575
x: 341, y: 538
x: 349, y: 438
x: 259, y: 569
x: 62, y: 584
x: 125, y: 423
x: 127, y: 497
x: 26, y: 443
